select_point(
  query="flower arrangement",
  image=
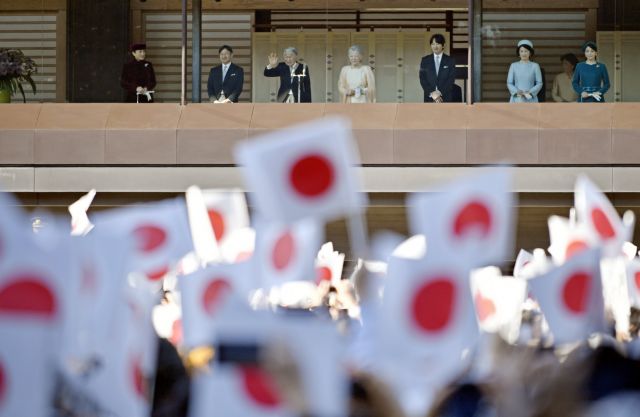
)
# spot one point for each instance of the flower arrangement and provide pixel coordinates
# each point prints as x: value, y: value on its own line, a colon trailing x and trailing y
x: 16, y: 68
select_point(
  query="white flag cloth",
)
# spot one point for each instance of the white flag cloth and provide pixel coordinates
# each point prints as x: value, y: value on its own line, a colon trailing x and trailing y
x: 120, y: 380
x: 567, y: 238
x: 203, y: 295
x: 633, y: 281
x: 215, y: 216
x: 426, y: 320
x: 570, y: 297
x: 329, y: 264
x: 227, y: 211
x: 80, y: 223
x: 599, y: 216
x: 160, y: 232
x: 287, y: 253
x: 523, y: 260
x: 97, y: 282
x: 26, y: 374
x: 229, y: 390
x: 304, y: 171
x: 472, y: 217
x: 318, y: 351
x: 498, y: 301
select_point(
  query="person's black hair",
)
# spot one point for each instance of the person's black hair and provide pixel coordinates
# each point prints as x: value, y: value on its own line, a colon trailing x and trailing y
x: 590, y: 44
x: 227, y: 47
x: 439, y: 38
x: 570, y: 58
x: 527, y: 47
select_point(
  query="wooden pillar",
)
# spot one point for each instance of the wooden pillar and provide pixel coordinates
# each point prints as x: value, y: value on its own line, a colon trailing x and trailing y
x: 196, y: 50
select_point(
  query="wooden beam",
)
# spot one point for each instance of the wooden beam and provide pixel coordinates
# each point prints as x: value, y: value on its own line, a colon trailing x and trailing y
x: 28, y: 5
x: 362, y: 5
x: 540, y: 4
x: 61, y: 56
x: 303, y: 4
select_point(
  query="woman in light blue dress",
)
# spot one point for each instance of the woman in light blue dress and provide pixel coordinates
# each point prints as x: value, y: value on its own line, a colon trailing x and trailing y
x: 525, y: 78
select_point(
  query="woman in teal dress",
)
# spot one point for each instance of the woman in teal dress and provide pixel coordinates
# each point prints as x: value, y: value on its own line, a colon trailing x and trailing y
x: 591, y: 79
x: 524, y: 80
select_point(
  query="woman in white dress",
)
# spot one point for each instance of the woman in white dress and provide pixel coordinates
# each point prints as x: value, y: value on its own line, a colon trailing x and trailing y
x: 357, y: 83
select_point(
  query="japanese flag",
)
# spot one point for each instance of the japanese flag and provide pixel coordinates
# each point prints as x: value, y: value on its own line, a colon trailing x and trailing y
x: 567, y: 238
x: 498, y: 302
x: 203, y: 295
x: 97, y: 281
x: 633, y: 281
x: 26, y: 374
x: 471, y: 217
x: 80, y: 223
x: 240, y: 245
x: 120, y: 381
x: 615, y: 290
x: 329, y: 264
x: 523, y: 260
x: 427, y: 317
x: 603, y: 222
x: 15, y: 228
x: 160, y: 233
x: 214, y: 216
x: 318, y: 350
x: 235, y: 390
x: 570, y: 297
x: 304, y: 171
x: 287, y: 252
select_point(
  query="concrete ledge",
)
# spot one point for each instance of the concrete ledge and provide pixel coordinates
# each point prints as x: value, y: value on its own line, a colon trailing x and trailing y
x: 386, y: 133
x: 374, y: 179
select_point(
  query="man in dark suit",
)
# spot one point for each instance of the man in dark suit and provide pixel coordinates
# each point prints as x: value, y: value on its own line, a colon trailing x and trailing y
x: 437, y: 73
x: 291, y: 72
x: 225, y: 80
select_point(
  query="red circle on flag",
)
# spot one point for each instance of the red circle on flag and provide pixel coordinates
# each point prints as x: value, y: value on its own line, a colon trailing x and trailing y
x: 213, y: 294
x: 3, y: 383
x: 576, y: 292
x: 137, y: 376
x: 149, y: 237
x: 602, y: 224
x: 574, y: 247
x: 637, y: 279
x: 475, y: 215
x: 157, y: 274
x: 283, y: 251
x: 323, y: 273
x: 433, y: 304
x: 312, y: 175
x: 260, y: 387
x: 484, y: 306
x: 217, y: 223
x: 27, y: 294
